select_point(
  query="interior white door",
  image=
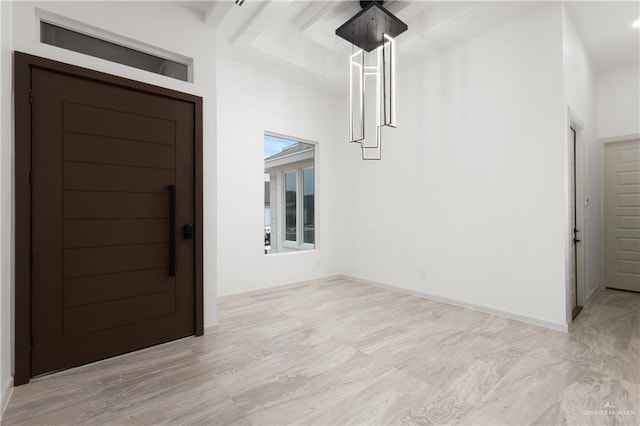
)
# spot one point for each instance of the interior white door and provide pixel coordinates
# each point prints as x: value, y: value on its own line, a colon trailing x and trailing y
x: 622, y: 215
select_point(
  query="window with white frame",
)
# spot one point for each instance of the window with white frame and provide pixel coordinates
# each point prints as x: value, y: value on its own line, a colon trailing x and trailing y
x: 290, y: 194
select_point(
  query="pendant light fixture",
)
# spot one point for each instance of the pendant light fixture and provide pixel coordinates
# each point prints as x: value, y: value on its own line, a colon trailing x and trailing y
x: 371, y: 74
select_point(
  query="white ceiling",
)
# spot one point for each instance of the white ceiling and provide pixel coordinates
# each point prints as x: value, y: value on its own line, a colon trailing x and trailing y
x: 605, y: 29
x: 292, y: 36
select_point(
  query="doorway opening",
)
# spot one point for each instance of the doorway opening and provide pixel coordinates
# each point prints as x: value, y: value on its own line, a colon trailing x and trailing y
x: 576, y: 215
x: 621, y: 207
x: 109, y: 217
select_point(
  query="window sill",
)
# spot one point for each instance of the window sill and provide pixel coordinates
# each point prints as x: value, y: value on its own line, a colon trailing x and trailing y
x: 301, y: 247
x: 291, y: 253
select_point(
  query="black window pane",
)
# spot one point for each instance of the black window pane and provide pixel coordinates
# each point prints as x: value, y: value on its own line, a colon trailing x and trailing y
x: 82, y: 43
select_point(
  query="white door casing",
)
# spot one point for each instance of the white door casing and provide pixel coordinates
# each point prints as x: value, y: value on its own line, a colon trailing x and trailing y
x: 575, y: 290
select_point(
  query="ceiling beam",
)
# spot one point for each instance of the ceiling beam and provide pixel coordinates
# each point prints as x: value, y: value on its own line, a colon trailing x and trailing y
x: 312, y: 13
x: 262, y: 15
x: 216, y: 12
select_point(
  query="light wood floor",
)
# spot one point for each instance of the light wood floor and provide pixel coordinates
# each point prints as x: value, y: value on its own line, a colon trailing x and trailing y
x: 340, y: 352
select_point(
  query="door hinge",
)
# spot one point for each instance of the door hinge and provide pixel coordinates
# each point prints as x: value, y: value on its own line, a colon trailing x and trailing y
x: 575, y: 236
x: 30, y: 96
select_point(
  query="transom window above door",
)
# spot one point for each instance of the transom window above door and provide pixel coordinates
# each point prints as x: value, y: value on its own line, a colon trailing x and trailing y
x: 289, y: 195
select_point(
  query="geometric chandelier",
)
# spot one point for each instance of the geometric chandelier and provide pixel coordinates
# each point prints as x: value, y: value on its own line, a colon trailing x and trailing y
x: 371, y: 75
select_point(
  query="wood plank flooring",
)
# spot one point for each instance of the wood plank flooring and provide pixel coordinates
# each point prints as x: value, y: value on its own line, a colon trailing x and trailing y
x: 340, y: 352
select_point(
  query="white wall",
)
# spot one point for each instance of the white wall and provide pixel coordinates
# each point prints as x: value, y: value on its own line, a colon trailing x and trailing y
x: 468, y: 205
x: 580, y: 96
x: 619, y: 103
x: 166, y: 26
x: 469, y: 193
x: 6, y: 188
x: 250, y: 103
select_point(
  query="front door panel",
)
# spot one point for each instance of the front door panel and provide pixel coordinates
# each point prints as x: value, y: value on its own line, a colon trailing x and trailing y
x: 103, y: 158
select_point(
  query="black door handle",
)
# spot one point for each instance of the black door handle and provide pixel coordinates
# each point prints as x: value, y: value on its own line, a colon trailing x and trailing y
x: 187, y: 231
x: 172, y: 230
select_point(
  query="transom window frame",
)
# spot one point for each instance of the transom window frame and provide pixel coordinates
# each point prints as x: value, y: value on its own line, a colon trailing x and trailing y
x: 48, y: 17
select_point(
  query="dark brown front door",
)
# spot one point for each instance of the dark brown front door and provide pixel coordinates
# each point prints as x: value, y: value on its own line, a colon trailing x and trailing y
x: 103, y: 240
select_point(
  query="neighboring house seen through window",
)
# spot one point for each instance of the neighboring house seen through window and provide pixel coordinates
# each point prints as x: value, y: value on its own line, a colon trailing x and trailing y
x: 290, y: 196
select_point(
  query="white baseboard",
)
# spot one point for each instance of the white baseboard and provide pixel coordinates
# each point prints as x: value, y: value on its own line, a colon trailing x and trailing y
x: 505, y: 314
x: 592, y: 296
x: 267, y: 289
x: 7, y: 390
x: 211, y: 328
